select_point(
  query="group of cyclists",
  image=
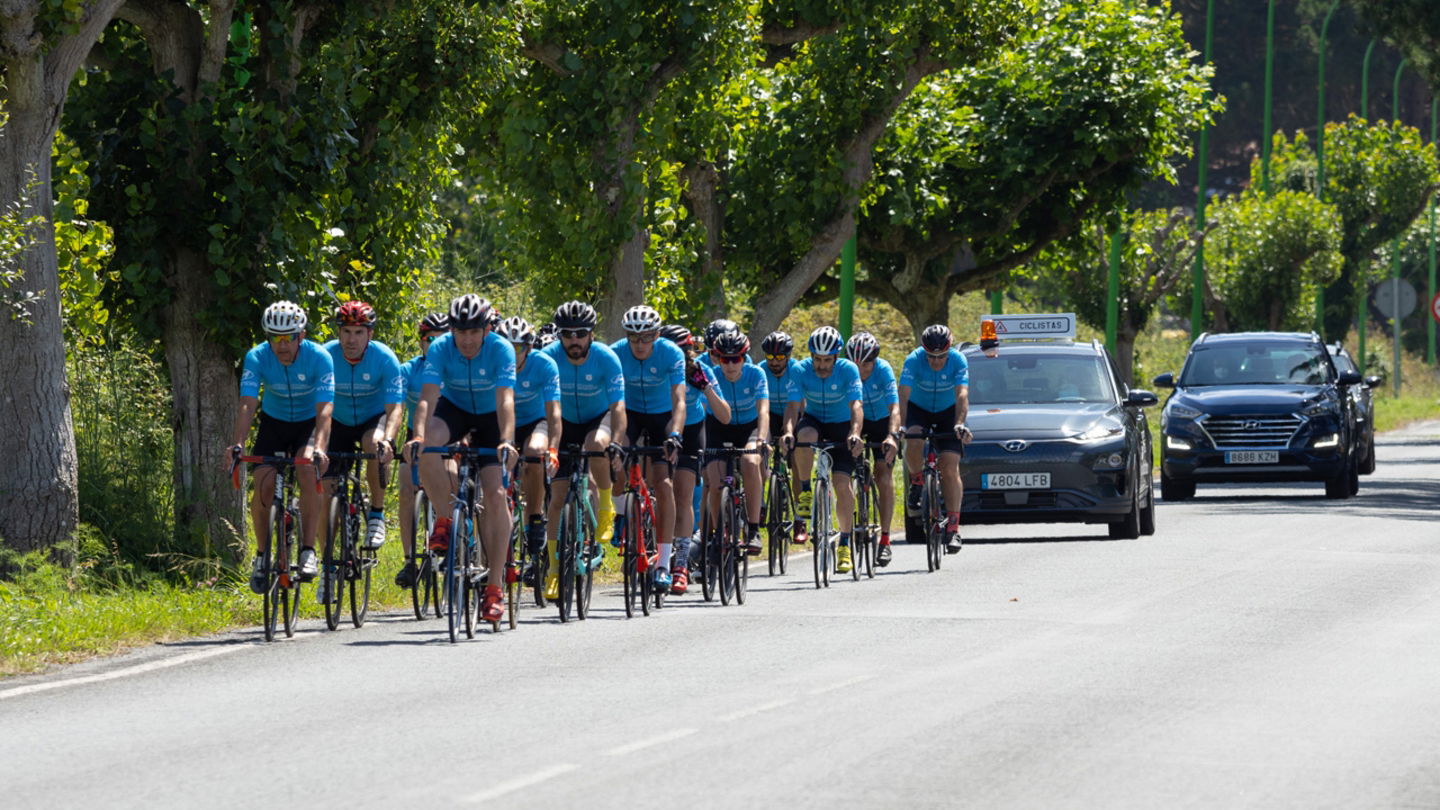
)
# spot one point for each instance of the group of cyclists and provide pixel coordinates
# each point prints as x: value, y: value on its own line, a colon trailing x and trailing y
x: 528, y: 392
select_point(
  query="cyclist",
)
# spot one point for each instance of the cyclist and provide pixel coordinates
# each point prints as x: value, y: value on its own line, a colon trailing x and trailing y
x: 298, y: 377
x: 369, y: 397
x: 654, y: 408
x: 431, y: 326
x: 826, y: 387
x: 742, y: 385
x: 777, y: 347
x: 537, y: 423
x: 935, y: 398
x: 701, y: 399
x: 477, y: 371
x: 545, y: 335
x: 882, y: 425
x: 592, y: 412
x: 715, y: 329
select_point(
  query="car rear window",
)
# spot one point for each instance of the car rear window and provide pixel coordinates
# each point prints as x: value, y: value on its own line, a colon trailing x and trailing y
x: 1038, y: 378
x: 1256, y: 364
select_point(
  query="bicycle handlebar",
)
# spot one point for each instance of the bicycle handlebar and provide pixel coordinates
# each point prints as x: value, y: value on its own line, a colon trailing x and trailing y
x: 273, y: 461
x: 384, y: 470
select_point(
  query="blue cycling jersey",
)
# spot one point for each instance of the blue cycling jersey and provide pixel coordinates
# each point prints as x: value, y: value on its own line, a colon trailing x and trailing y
x: 537, y: 383
x: 828, y: 399
x: 933, y: 390
x: 411, y: 370
x: 363, y: 389
x: 744, y: 394
x: 779, y: 386
x: 293, y: 391
x: 696, y: 406
x: 648, y: 381
x: 470, y: 382
x: 588, y: 390
x: 880, y: 391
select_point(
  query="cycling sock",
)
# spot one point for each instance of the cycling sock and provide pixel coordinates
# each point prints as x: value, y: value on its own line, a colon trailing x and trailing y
x: 844, y: 539
x: 537, y: 520
x: 605, y: 502
x: 664, y: 560
x: 954, y: 519
x: 915, y: 479
x: 884, y: 538
x: 752, y: 526
x: 377, y: 513
x: 682, y: 552
x: 804, y: 486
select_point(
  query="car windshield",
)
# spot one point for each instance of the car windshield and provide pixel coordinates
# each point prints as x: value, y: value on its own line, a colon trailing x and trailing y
x: 1038, y: 378
x: 1256, y: 364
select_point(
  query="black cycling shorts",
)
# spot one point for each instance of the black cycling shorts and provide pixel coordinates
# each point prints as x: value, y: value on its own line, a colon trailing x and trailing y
x: 876, y: 431
x: 841, y: 461
x: 522, y: 433
x: 279, y: 437
x: 777, y: 422
x: 691, y: 443
x: 482, y: 428
x: 936, y: 422
x: 718, y: 435
x: 348, y: 439
x: 575, y: 434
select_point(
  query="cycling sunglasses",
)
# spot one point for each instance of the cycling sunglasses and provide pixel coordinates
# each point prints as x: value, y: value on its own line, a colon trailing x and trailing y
x: 574, y: 334
x: 777, y: 357
x: 728, y: 360
x: 282, y: 339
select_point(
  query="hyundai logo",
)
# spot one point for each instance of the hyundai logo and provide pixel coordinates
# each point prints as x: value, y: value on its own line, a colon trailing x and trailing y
x: 1252, y: 424
x: 1015, y: 445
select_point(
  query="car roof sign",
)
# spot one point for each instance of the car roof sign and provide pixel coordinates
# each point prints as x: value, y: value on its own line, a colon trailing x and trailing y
x: 1053, y: 326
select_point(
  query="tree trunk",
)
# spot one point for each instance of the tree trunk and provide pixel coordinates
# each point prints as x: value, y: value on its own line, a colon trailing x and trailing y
x: 208, y: 512
x: 1125, y: 353
x: 39, y: 503
x: 701, y: 183
x: 627, y: 283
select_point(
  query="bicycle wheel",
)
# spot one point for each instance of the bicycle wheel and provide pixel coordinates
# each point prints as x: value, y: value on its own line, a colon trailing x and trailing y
x: 290, y: 596
x: 568, y: 542
x: 932, y: 511
x: 727, y: 547
x: 820, y: 535
x: 741, y: 556
x: 823, y: 496
x: 872, y: 533
x: 362, y: 563
x: 470, y: 555
x: 270, y: 599
x: 419, y: 590
x: 709, y: 574
x: 455, y: 575
x: 858, y: 530
x: 513, y: 567
x: 584, y: 575
x: 630, y: 561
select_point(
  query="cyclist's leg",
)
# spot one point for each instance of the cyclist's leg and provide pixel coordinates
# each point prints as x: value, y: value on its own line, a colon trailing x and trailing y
x: 439, y: 486
x: 375, y: 521
x: 881, y: 472
x: 596, y: 440
x: 262, y: 480
x: 496, y: 536
x: 753, y: 474
x: 532, y: 480
x: 950, y: 482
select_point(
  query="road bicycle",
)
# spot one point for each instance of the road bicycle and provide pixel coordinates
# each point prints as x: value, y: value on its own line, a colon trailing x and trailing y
x: 779, y: 511
x: 520, y: 558
x: 463, y: 569
x: 932, y: 499
x: 727, y: 565
x: 281, y: 559
x: 821, y: 519
x: 865, y: 532
x: 639, y: 556
x: 425, y: 590
x: 578, y: 554
x: 347, y: 564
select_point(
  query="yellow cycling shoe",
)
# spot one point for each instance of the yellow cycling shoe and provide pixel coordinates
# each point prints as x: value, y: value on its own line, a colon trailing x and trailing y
x: 552, y: 585
x: 842, y: 562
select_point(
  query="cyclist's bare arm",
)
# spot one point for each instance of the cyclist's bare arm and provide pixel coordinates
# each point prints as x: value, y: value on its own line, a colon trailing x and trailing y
x: 962, y: 407
x: 393, y: 418
x: 677, y: 408
x: 321, y: 436
x: 617, y: 422
x: 762, y: 410
x: 429, y: 393
x: 505, y: 415
x: 243, y: 418
x: 719, y: 408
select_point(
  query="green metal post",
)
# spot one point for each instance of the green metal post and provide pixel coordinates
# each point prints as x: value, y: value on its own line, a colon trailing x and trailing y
x: 1430, y: 288
x: 997, y: 302
x: 1320, y: 148
x: 1269, y: 97
x: 847, y: 287
x: 1112, y: 304
x: 1197, y: 277
x: 1360, y: 284
x: 1395, y: 245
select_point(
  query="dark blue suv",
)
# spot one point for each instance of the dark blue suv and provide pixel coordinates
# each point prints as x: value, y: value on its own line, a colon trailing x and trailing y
x: 1258, y: 407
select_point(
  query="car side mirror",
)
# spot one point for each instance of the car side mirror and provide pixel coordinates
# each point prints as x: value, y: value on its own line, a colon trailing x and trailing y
x: 1141, y: 399
x: 1372, y: 381
x: 1350, y: 378
x: 1166, y: 380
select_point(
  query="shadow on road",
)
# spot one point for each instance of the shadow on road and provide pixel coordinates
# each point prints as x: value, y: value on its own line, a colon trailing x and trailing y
x: 1405, y: 500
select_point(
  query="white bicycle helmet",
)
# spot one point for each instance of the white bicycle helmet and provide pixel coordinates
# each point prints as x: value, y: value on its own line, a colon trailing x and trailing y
x: 640, y: 319
x: 575, y: 315
x: 470, y: 311
x: 826, y: 340
x: 863, y: 347
x: 516, y: 330
x: 283, y: 318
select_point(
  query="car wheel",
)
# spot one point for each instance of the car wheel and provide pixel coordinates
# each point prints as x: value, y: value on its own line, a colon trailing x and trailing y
x: 1368, y: 465
x: 1128, y: 528
x: 1147, y: 513
x: 1338, y: 488
x: 1174, y: 490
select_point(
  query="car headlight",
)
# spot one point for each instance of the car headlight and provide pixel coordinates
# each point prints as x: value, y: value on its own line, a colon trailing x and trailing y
x: 1332, y: 440
x: 1177, y: 443
x: 1318, y: 409
x: 1182, y: 412
x: 1100, y: 432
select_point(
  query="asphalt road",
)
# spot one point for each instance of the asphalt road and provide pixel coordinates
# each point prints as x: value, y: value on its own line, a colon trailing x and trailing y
x: 1266, y: 648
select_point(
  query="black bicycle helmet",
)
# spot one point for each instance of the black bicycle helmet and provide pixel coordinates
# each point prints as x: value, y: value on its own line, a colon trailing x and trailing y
x: 434, y: 322
x: 677, y: 334
x: 731, y: 344
x: 575, y: 315
x: 718, y: 327
x: 777, y: 343
x: 936, y: 338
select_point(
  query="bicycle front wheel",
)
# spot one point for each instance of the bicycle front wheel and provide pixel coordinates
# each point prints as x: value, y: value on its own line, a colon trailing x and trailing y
x: 932, y: 510
x: 569, y: 539
x: 455, y: 576
x: 270, y: 599
x: 727, y: 547
x: 630, y: 561
x: 290, y: 596
x: 741, y: 556
x: 332, y: 583
x: 709, y: 566
x: 419, y: 589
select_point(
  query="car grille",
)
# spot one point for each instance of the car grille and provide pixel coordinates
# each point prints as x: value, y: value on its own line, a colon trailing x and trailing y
x: 1252, y: 431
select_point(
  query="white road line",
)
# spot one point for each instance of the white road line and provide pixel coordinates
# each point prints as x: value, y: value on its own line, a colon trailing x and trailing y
x: 138, y: 669
x: 841, y: 685
x: 754, y: 710
x: 522, y: 782
x: 630, y: 748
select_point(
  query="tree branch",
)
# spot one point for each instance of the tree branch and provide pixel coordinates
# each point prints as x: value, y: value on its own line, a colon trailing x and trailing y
x: 217, y: 39
x: 548, y: 54
x: 175, y: 35
x: 69, y: 53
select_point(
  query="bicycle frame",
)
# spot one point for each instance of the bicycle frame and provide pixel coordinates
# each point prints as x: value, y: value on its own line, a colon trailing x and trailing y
x: 576, y: 534
x: 732, y: 561
x: 825, y: 556
x: 462, y: 558
x: 350, y: 563
x: 281, y: 557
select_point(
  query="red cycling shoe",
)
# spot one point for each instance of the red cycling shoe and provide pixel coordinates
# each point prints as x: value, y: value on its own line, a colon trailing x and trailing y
x: 492, y: 606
